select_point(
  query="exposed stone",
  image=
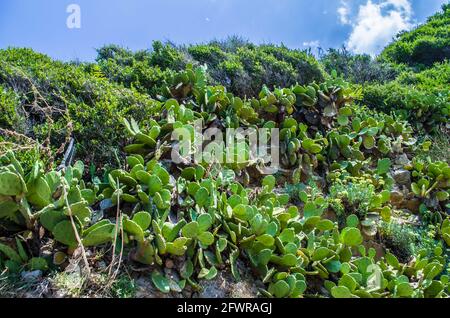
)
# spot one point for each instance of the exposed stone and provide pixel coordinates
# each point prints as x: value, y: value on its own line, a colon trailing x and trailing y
x: 396, y: 197
x: 31, y: 276
x: 225, y: 286
x: 101, y: 265
x: 145, y: 289
x: 169, y: 264
x: 412, y: 205
x: 402, y: 160
x: 330, y: 215
x: 402, y: 177
x: 379, y: 249
x: 216, y: 288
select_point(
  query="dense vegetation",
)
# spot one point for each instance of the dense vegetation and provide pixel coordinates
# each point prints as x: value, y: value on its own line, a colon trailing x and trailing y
x: 425, y: 45
x: 359, y: 207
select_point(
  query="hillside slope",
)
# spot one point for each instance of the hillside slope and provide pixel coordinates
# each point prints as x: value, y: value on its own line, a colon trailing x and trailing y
x: 358, y: 206
x: 424, y: 46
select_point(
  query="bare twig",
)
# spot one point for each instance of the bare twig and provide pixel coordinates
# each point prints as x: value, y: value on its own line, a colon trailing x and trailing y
x: 77, y: 236
x: 116, y: 233
x: 121, y: 251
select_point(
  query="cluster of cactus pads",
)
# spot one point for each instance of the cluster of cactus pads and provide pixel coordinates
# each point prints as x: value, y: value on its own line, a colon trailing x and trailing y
x: 207, y: 216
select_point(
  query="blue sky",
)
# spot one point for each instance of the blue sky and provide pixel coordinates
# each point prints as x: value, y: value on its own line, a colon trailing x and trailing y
x: 365, y: 26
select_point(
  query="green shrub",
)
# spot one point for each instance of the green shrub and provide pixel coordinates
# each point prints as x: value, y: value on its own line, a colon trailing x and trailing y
x: 425, y: 109
x: 425, y: 45
x: 357, y: 68
x: 59, y: 98
x: 8, y: 108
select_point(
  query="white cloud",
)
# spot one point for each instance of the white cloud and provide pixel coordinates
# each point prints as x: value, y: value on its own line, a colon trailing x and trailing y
x: 377, y: 23
x: 344, y: 12
x: 400, y: 4
x: 312, y: 44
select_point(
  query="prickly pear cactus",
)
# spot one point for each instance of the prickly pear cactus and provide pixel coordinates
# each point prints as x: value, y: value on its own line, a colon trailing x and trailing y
x: 63, y: 233
x: 11, y: 184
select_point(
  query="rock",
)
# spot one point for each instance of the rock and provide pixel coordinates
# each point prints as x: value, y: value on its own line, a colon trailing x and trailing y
x: 31, y: 276
x: 330, y: 215
x: 369, y: 232
x: 396, y: 197
x: 225, y: 286
x: 217, y: 287
x: 169, y: 264
x: 101, y: 265
x: 379, y: 249
x: 432, y: 203
x: 412, y: 205
x: 145, y: 289
x: 402, y: 160
x: 402, y: 177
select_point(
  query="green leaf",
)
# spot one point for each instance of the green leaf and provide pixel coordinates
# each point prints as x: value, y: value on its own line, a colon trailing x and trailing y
x: 154, y: 184
x: 187, y: 269
x: 264, y: 256
x: 383, y: 166
x: 269, y: 182
x: 266, y: 240
x: 10, y: 184
x: 345, y: 111
x: 369, y: 142
x: 38, y: 263
x: 143, y: 219
x: 99, y: 235
x: 63, y: 233
x: 162, y: 199
x: 342, y: 120
x: 133, y: 228
x: 348, y: 281
x: 333, y: 266
x: 206, y: 238
x: 23, y: 255
x: 311, y: 210
x: 162, y: 174
x: 386, y: 213
x: 199, y: 172
x: 392, y: 260
x: 202, y: 197
x: 190, y: 230
x: 280, y: 289
x: 10, y: 253
x: 161, y: 282
x: 325, y: 225
x: 352, y: 221
x: 341, y: 292
x: 288, y: 235
x: 442, y: 196
x: 208, y: 274
x: 351, y: 236
x: 404, y: 290
x: 320, y: 253
x: 204, y: 221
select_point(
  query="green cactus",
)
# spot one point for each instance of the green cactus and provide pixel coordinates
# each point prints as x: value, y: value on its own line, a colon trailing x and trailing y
x: 133, y: 228
x: 50, y: 218
x: 10, y: 253
x: 63, y: 232
x: 11, y: 184
x: 145, y: 253
x: 99, y: 234
x: 143, y: 219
